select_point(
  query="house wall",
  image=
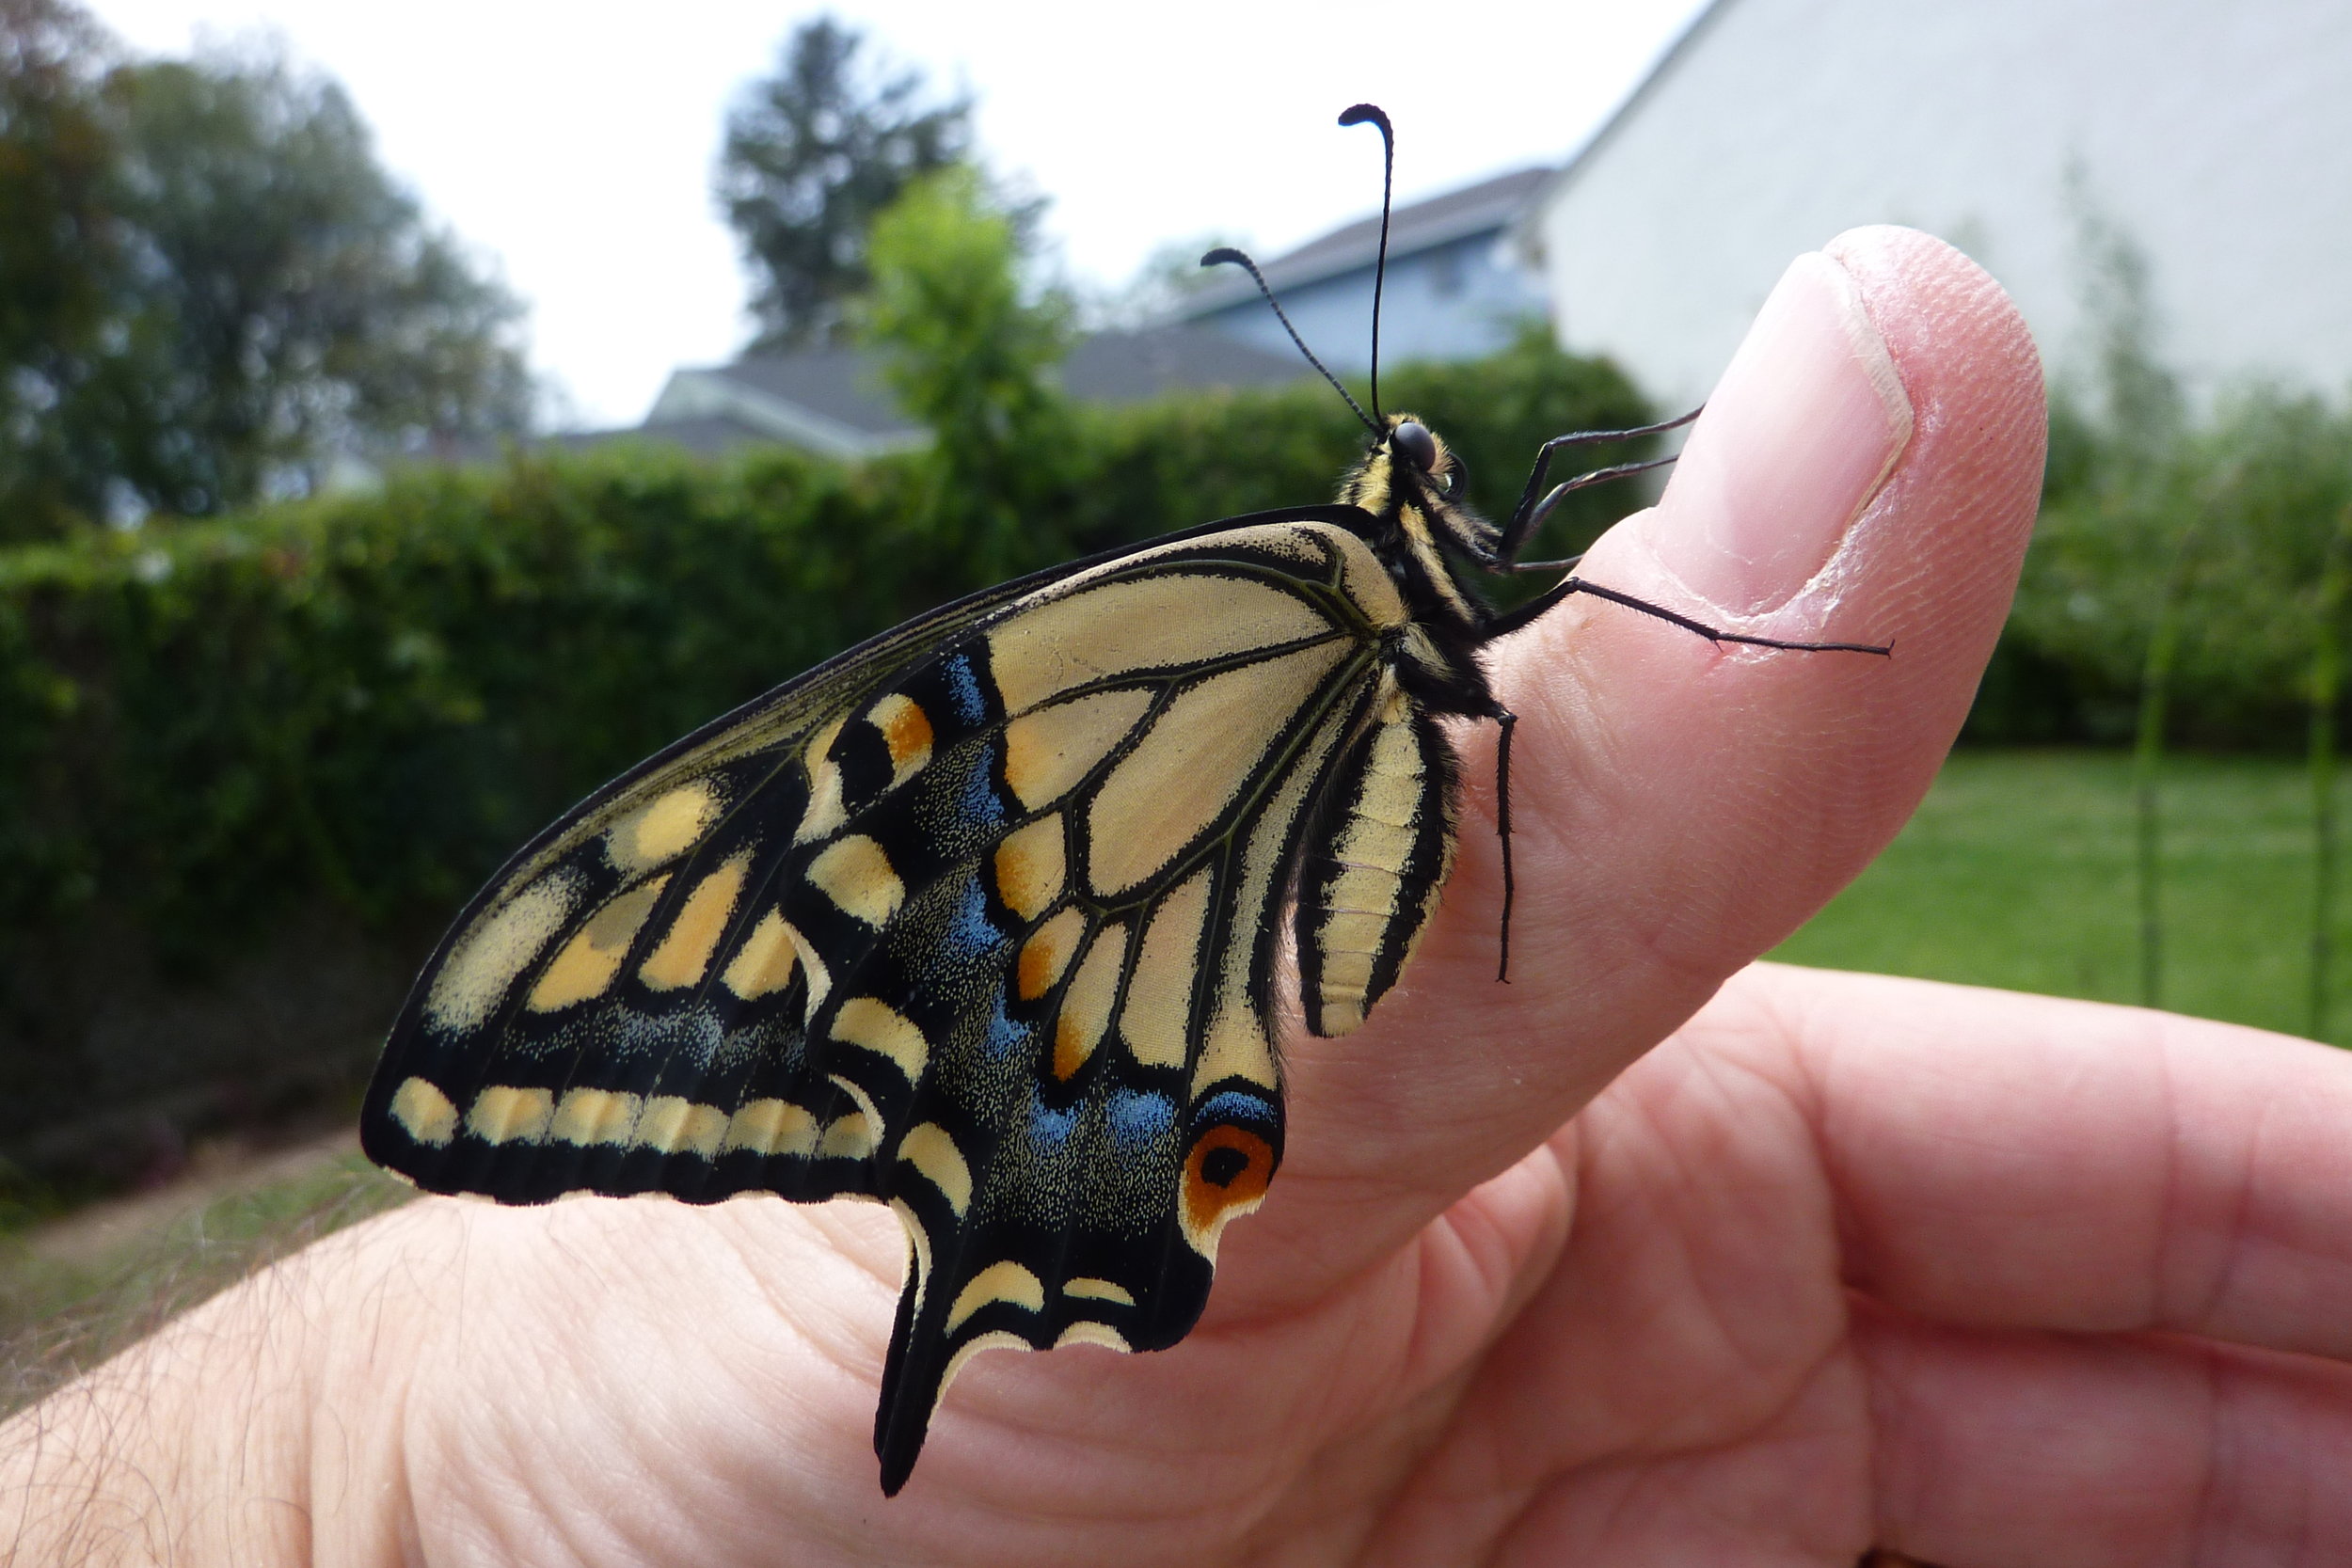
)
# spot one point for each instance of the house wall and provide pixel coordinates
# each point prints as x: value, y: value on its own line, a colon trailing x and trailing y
x: 1453, y: 301
x: 2218, y: 136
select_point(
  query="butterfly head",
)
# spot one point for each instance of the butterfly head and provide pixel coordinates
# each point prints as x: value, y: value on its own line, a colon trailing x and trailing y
x: 1411, y: 479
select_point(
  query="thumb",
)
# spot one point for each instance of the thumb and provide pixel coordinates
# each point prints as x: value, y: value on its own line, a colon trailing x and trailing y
x: 1866, y: 472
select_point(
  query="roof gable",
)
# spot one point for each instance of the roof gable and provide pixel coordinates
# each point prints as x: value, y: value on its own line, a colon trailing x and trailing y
x: 1487, y: 207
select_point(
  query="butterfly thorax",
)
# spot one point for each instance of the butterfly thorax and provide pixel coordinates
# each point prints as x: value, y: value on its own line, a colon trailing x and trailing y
x: 1412, y: 484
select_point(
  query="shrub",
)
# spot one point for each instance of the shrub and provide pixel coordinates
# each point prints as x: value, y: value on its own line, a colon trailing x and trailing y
x: 345, y: 712
x: 2236, y: 514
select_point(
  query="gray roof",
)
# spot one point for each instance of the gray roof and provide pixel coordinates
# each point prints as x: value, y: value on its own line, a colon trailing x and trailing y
x: 1485, y: 207
x: 710, y: 435
x: 1130, y: 367
x: 836, y: 401
x: 842, y: 385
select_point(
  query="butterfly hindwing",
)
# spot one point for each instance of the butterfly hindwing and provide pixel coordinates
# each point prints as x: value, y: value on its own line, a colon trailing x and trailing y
x: 980, y: 920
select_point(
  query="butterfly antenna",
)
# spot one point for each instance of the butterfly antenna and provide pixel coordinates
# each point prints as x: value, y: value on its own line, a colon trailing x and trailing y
x: 1358, y: 114
x: 1226, y: 253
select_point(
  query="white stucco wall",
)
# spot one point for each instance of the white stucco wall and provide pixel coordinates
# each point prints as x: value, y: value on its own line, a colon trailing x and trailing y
x: 2216, y: 132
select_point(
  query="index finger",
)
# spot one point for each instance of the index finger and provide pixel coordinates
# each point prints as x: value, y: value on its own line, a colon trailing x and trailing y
x: 2022, y: 1162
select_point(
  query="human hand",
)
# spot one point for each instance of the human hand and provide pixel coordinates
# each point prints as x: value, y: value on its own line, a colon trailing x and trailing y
x: 1846, y: 1262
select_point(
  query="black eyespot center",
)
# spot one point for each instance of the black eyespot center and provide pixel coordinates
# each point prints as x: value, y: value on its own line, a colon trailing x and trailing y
x: 1220, y: 1168
x: 1413, y: 440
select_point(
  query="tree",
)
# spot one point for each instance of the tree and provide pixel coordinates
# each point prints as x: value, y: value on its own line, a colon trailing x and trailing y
x: 59, y: 245
x: 814, y: 155
x: 971, y: 354
x: 227, y: 288
x: 291, y: 299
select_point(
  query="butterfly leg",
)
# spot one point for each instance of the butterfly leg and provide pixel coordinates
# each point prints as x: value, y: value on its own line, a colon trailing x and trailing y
x: 1536, y: 504
x: 1534, y: 609
x: 1507, y: 722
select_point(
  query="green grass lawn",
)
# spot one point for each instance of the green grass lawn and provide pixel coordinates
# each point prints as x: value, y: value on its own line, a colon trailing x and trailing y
x: 73, y: 1292
x: 2017, y: 872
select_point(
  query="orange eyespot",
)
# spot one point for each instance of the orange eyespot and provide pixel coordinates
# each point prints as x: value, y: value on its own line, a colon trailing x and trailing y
x: 1229, y: 1168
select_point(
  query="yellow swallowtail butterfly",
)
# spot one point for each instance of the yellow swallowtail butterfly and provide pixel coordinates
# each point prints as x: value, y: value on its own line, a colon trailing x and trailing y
x: 980, y: 918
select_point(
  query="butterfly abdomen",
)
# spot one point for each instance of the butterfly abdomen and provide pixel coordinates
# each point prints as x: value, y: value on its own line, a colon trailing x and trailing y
x: 1375, y: 866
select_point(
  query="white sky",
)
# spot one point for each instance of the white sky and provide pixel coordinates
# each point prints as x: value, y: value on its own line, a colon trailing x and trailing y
x: 574, y: 143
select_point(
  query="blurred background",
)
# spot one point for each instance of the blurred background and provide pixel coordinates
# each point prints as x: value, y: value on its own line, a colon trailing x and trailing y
x: 411, y: 416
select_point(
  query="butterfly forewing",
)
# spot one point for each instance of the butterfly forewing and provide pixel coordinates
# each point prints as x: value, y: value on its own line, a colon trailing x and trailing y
x: 979, y: 920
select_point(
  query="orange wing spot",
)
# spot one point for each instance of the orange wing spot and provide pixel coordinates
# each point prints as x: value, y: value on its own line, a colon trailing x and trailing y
x: 906, y: 729
x: 1226, y: 1174
x: 1048, y: 954
x: 1037, y: 968
x: 1086, y: 1006
x: 1030, y: 866
x: 1070, y: 1046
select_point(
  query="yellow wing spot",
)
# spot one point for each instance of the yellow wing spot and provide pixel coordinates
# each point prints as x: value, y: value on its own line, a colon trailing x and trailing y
x: 1127, y: 625
x: 819, y: 978
x: 662, y: 830
x: 673, y: 1124
x: 865, y: 1101
x: 770, y: 1127
x: 1085, y: 1330
x: 918, y: 1249
x: 424, y: 1113
x: 587, y: 1116
x: 1047, y: 953
x: 932, y: 1152
x: 1006, y: 1282
x: 763, y: 965
x: 592, y: 959
x: 877, y: 1026
x: 856, y: 875
x: 1099, y: 1290
x: 508, y: 1116
x: 1086, y: 1006
x: 501, y: 944
x: 1031, y: 865
x: 1193, y: 760
x: 995, y: 1339
x: 826, y: 810
x: 693, y: 936
x: 1237, y: 1048
x: 906, y: 731
x: 852, y: 1137
x: 1049, y: 750
x: 1160, y: 992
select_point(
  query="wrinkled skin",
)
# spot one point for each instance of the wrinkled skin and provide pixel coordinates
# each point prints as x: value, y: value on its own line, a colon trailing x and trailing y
x: 1842, y: 1262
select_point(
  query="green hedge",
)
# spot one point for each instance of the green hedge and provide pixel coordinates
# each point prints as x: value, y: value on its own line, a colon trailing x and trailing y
x: 349, y: 710
x: 2233, y: 514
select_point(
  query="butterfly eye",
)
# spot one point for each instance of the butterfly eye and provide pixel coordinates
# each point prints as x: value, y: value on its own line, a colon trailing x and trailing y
x: 1457, y: 477
x: 1418, y: 445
